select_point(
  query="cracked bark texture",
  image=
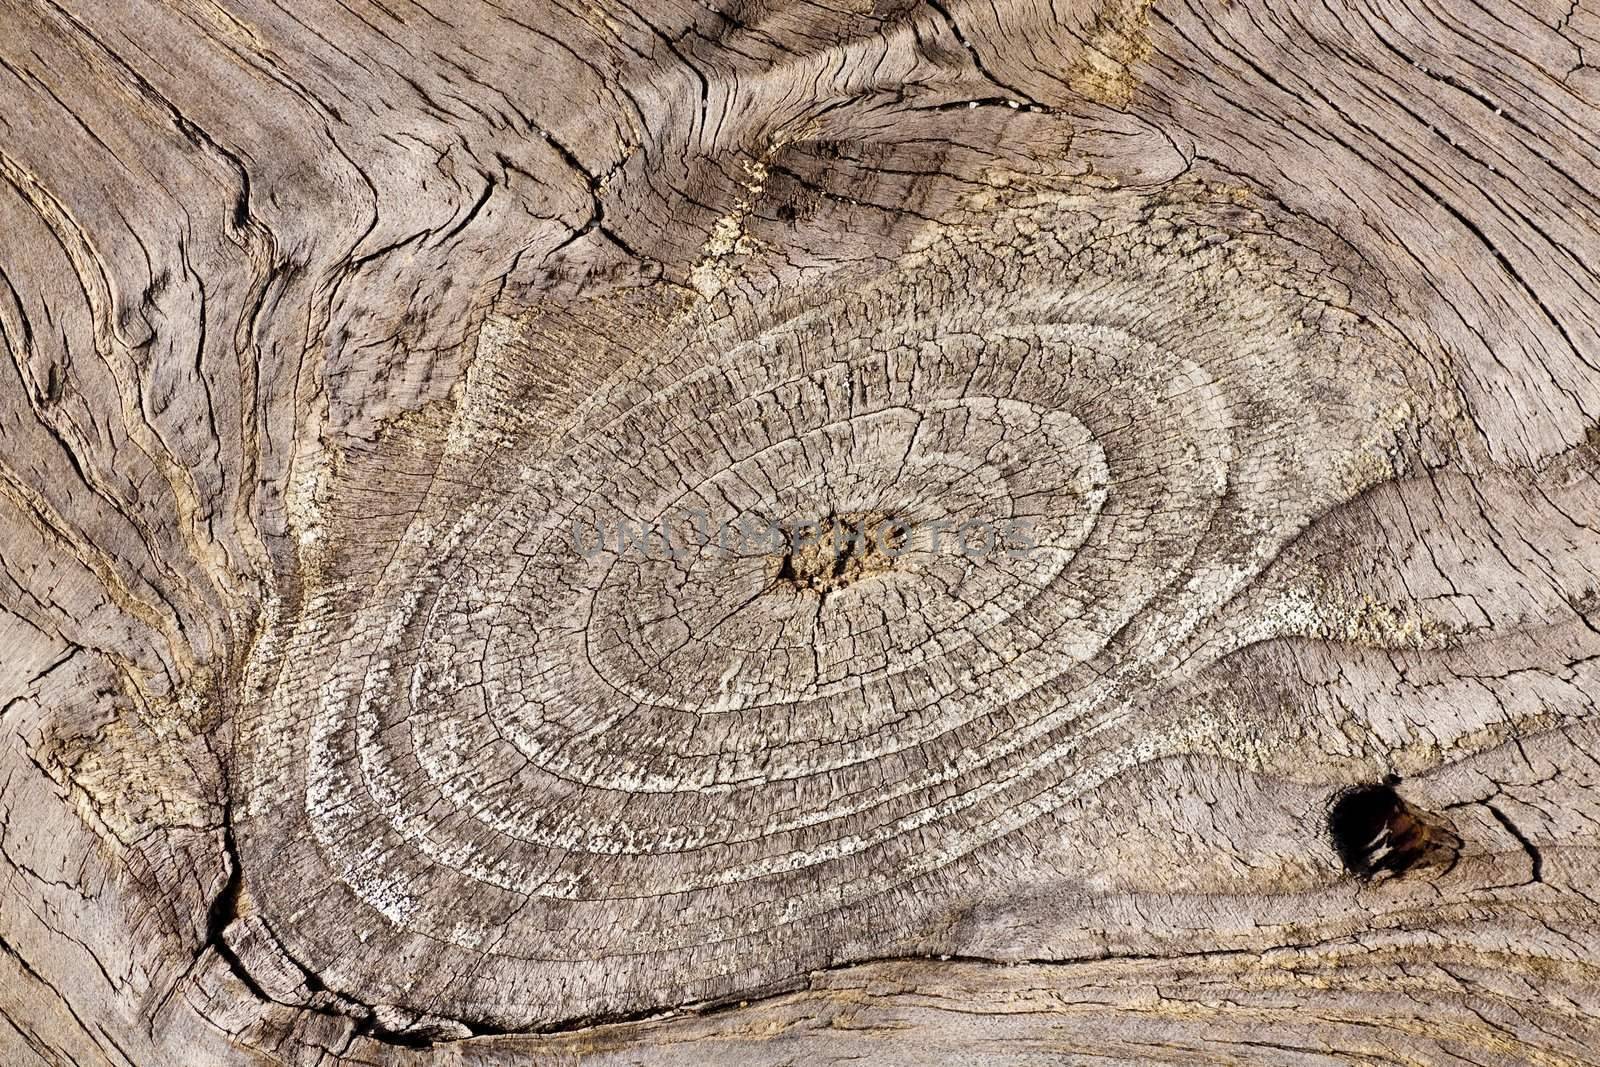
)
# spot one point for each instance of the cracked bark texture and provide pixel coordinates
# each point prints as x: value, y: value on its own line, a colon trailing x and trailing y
x: 324, y: 325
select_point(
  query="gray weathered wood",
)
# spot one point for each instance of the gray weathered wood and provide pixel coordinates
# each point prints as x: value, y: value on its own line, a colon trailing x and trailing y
x: 330, y: 328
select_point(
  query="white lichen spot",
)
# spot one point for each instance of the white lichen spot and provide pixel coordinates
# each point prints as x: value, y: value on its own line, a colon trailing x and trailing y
x: 729, y: 235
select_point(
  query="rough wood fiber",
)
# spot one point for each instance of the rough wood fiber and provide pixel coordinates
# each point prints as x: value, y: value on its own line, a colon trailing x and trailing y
x: 326, y: 740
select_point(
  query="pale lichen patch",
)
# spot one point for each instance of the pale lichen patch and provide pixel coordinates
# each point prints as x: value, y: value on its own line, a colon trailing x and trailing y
x: 730, y: 236
x: 1118, y: 40
x: 1322, y: 612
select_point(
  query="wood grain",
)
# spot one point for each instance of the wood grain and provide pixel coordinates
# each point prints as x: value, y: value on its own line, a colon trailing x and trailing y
x: 373, y: 693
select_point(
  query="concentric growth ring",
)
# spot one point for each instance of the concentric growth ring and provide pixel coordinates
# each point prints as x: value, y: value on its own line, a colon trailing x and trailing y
x: 798, y: 612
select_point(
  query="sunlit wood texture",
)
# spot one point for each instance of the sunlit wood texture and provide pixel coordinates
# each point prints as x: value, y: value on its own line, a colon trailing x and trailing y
x: 326, y: 324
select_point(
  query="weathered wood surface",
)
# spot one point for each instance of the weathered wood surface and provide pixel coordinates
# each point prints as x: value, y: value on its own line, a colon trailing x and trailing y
x: 324, y: 323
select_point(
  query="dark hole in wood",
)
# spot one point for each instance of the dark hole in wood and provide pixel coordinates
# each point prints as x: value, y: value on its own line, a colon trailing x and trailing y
x: 1376, y: 832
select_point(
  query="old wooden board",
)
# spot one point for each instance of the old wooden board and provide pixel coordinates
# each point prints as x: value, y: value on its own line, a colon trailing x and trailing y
x: 799, y: 533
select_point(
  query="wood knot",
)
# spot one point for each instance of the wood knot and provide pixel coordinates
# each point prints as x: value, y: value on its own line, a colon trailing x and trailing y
x: 1378, y: 833
x: 839, y: 550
